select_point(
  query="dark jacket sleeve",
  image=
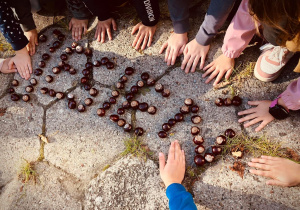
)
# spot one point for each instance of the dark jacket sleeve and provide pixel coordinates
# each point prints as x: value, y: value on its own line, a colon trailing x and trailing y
x: 78, y: 9
x: 148, y: 11
x: 215, y: 17
x: 22, y: 9
x: 179, y: 198
x: 179, y: 12
x: 10, y: 29
x: 99, y: 8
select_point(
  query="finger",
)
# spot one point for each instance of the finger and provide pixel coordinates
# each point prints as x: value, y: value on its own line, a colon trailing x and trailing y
x: 208, y: 66
x: 211, y: 69
x: 185, y: 60
x: 102, y: 35
x: 262, y: 125
x: 228, y: 73
x: 171, y: 155
x: 138, y: 44
x: 276, y: 183
x: 270, y: 158
x: 189, y: 64
x: 11, y: 64
x: 218, y: 79
x: 202, y: 61
x: 135, y: 40
x: 260, y: 173
x: 27, y: 74
x: 96, y: 33
x: 254, y: 103
x: 174, y: 56
x: 181, y: 50
x: 134, y: 29
x: 252, y: 122
x: 260, y: 166
x: 146, y: 39
x: 150, y: 39
x: 168, y: 51
x: 84, y: 29
x: 162, y: 162
x: 33, y: 47
x: 247, y: 111
x: 70, y: 25
x: 79, y: 33
x: 212, y: 76
x: 36, y: 41
x: 114, y: 24
x: 260, y: 160
x: 251, y: 117
x: 177, y: 151
x: 170, y: 57
x: 108, y: 31
x: 163, y: 47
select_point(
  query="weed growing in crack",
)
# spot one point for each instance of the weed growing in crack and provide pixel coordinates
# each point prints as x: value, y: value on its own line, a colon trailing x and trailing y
x: 135, y: 146
x: 28, y: 172
x: 105, y: 167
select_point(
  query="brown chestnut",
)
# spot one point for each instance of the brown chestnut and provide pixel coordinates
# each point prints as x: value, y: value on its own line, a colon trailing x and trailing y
x: 185, y: 109
x: 129, y: 96
x: 10, y: 90
x: 139, y: 131
x: 178, y: 117
x: 88, y: 52
x: 87, y: 86
x: 38, y: 72
x: 29, y: 89
x: 216, y: 150
x: 145, y: 76
x: 51, y: 49
x: 45, y: 56
x: 86, y: 72
x: 56, y: 32
x: 229, y: 133
x: 195, y: 130
x: 106, y: 105
x: 198, y: 140
x: 112, y: 100
x: 199, y: 160
x: 127, y: 127
x: 96, y: 63
x: 14, y: 97
x: 44, y: 90
x: 88, y: 101
x: 67, y: 67
x: 42, y: 64
x: 194, y: 109
x: 84, y: 80
x: 79, y: 49
x: 143, y: 107
x: 15, y: 83
x: 114, y: 117
x: 188, y: 102
x: 227, y: 102
x: 56, y: 70
x: 71, y: 104
x: 56, y: 44
x: 33, y: 81
x: 81, y: 108
x: 25, y: 97
x: 100, y: 112
x: 209, y: 157
x: 236, y: 101
x: 49, y: 78
x: 196, y: 119
x: 134, y: 89
x: 61, y: 64
x: 121, y: 122
x: 60, y: 95
x: 140, y: 84
x: 42, y: 38
x: 93, y: 92
x: 199, y: 149
x: 166, y: 127
x: 151, y: 110
x: 162, y: 134
x: 72, y: 71
x: 110, y: 65
x: 150, y: 82
x: 74, y: 45
x: 70, y: 96
x: 134, y: 104
x: 52, y: 93
x: 171, y: 122
x: 125, y: 105
x: 221, y: 140
x: 166, y: 93
x: 123, y: 79
x: 120, y: 85
x: 69, y: 50
x: 64, y: 57
x: 61, y: 37
x: 88, y: 65
x: 115, y: 93
x: 104, y: 60
x: 159, y: 87
x: 129, y: 71
x: 121, y: 111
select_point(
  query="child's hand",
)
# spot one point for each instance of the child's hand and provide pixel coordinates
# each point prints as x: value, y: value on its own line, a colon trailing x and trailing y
x: 257, y: 114
x: 32, y: 37
x: 173, y: 171
x: 283, y: 172
x: 22, y: 62
x: 218, y: 68
x: 104, y: 27
x: 144, y: 35
x: 193, y: 52
x: 77, y: 26
x: 175, y: 46
x: 5, y: 69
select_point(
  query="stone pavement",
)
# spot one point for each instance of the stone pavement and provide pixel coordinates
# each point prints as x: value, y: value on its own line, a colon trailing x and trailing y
x: 81, y: 145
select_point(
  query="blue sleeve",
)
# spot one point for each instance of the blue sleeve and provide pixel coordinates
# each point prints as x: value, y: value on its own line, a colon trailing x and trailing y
x: 10, y: 29
x: 179, y: 12
x: 179, y: 198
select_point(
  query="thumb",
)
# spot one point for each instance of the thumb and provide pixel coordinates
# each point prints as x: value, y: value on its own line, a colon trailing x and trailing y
x: 114, y: 24
x: 162, y: 162
x: 276, y: 183
x: 11, y: 64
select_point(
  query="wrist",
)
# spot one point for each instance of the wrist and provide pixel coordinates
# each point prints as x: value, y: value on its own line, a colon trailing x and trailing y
x: 281, y: 102
x: 22, y: 51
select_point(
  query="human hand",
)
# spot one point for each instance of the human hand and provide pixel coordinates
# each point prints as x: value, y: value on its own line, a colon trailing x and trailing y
x: 5, y: 69
x: 175, y: 46
x: 104, y: 27
x: 283, y: 172
x: 173, y: 171
x: 32, y: 37
x: 22, y: 62
x: 257, y: 114
x: 144, y: 35
x: 193, y: 52
x: 222, y: 65
x: 77, y: 26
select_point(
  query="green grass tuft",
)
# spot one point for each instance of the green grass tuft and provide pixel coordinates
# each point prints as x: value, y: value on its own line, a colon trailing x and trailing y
x: 135, y: 146
x: 28, y: 172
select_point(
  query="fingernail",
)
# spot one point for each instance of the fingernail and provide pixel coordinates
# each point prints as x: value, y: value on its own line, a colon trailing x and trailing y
x: 160, y: 154
x: 239, y: 121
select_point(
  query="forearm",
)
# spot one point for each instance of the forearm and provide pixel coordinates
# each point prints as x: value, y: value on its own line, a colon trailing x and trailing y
x: 179, y: 12
x: 148, y: 11
x: 291, y: 96
x: 99, y: 8
x: 78, y: 9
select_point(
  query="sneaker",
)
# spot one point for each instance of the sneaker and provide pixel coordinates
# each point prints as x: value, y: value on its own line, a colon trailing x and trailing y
x: 271, y: 62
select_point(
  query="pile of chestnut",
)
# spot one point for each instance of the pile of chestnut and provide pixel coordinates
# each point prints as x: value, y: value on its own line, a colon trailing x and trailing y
x: 236, y: 101
x: 215, y: 149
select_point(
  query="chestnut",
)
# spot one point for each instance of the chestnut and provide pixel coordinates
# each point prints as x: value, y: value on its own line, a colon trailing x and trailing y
x: 70, y: 96
x: 166, y: 126
x: 88, y: 101
x: 56, y: 70
x: 42, y: 64
x: 44, y: 90
x: 100, y: 112
x: 104, y: 60
x: 38, y: 72
x: 127, y: 127
x: 33, y: 81
x: 10, y: 90
x: 29, y: 89
x: 125, y: 105
x: 151, y: 110
x: 71, y: 104
x: 114, y: 117
x: 56, y: 32
x: 61, y: 64
x: 88, y: 52
x: 145, y: 76
x: 49, y: 78
x: 88, y: 65
x: 86, y: 72
x: 51, y: 49
x: 209, y: 157
x: 96, y: 63
x: 106, y: 105
x: 236, y: 101
x: 199, y: 149
x: 229, y: 133
x: 162, y: 134
x: 52, y: 93
x: 120, y: 85
x: 216, y: 150
x: 67, y: 67
x: 227, y: 102
x: 188, y: 102
x: 45, y: 56
x: 69, y: 50
x: 194, y: 109
x: 25, y: 97
x: 87, y: 86
x: 112, y: 100
x: 185, y: 110
x: 93, y: 92
x: 74, y: 45
x: 61, y: 37
x: 195, y: 130
x: 121, y: 122
x: 79, y: 49
x: 121, y: 111
x: 219, y: 102
x: 129, y: 71
x: 56, y: 44
x: 110, y: 65
x: 64, y: 57
x: 129, y: 96
x: 72, y: 71
x: 199, y: 160
x: 178, y: 117
x: 134, y: 104
x: 14, y: 97
x: 166, y: 93
x: 140, y: 84
x: 42, y: 38
x: 81, y: 108
x: 134, y: 89
x: 15, y: 83
x: 84, y: 80
x: 221, y: 140
x: 196, y: 119
x: 171, y: 122
x: 139, y: 131
x: 115, y: 93
x: 143, y: 107
x: 60, y: 95
x: 123, y: 79
x: 159, y: 87
x: 198, y: 140
x: 150, y: 82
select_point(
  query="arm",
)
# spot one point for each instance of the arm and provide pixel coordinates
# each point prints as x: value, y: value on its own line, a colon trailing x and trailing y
x: 291, y: 96
x: 179, y: 198
x: 78, y: 9
x: 148, y: 11
x: 179, y: 12
x: 99, y: 8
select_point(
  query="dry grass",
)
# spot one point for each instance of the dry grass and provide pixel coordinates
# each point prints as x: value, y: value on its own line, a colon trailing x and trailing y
x: 27, y: 172
x: 6, y: 49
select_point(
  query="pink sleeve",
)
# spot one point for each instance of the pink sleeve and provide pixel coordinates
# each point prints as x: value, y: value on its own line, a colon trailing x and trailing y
x: 291, y: 96
x: 239, y: 33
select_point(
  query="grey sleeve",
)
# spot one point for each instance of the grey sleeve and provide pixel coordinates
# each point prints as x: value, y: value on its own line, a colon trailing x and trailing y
x: 78, y: 9
x: 215, y: 17
x: 179, y: 11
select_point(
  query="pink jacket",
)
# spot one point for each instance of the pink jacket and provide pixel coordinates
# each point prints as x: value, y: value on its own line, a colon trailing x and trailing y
x: 291, y: 96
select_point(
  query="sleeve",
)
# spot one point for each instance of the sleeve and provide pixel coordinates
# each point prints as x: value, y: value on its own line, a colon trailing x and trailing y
x: 1, y: 63
x: 179, y: 12
x: 10, y: 29
x: 214, y: 19
x: 99, y: 8
x: 291, y: 96
x: 179, y: 198
x: 78, y: 9
x: 239, y: 33
x: 148, y: 11
x: 23, y: 14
